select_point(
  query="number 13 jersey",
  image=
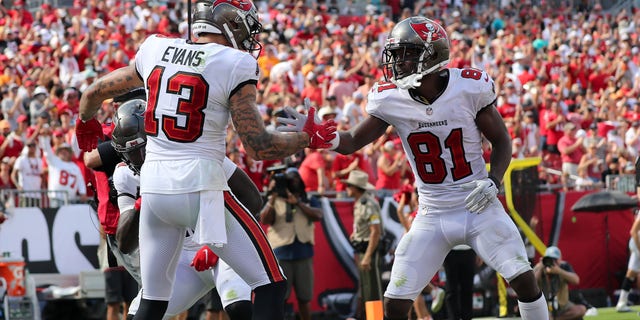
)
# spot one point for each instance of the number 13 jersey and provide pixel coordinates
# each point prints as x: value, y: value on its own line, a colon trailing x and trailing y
x: 441, y: 140
x: 188, y: 88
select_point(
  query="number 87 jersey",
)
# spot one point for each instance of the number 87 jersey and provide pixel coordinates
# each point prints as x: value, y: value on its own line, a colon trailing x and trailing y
x: 441, y: 140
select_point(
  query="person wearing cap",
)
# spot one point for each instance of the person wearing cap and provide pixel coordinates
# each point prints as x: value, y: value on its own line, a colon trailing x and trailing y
x: 367, y: 231
x: 27, y: 176
x: 554, y: 276
x: 290, y: 215
x: 328, y: 112
x: 571, y: 149
x: 39, y: 104
x: 65, y: 182
x: 69, y: 66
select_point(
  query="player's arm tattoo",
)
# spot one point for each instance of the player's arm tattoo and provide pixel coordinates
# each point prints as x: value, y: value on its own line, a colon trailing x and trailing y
x: 113, y: 84
x: 260, y: 143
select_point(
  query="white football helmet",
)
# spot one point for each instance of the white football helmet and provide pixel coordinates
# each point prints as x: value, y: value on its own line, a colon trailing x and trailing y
x: 416, y: 46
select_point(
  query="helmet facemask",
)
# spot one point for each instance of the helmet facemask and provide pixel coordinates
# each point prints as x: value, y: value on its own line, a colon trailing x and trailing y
x: 410, y: 52
x: 129, y: 137
x: 134, y: 156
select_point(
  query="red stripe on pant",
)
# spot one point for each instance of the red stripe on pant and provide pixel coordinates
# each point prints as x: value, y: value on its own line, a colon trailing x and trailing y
x: 256, y: 234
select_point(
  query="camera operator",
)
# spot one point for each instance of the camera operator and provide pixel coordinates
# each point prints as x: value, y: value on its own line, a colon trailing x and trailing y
x: 290, y: 216
x: 554, y: 277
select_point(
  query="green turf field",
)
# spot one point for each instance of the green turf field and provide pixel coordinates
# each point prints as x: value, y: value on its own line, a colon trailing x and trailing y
x: 603, y: 314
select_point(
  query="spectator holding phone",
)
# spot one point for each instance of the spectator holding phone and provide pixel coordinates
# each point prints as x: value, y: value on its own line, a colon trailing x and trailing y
x: 290, y: 215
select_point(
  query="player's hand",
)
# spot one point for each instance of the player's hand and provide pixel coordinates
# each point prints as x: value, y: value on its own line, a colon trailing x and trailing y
x: 88, y: 133
x: 298, y: 120
x: 205, y: 259
x: 484, y: 193
x: 3, y: 217
x: 321, y: 135
x: 138, y: 204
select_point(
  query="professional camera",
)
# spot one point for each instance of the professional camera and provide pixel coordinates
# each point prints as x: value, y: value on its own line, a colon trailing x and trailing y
x: 548, y: 261
x: 281, y: 185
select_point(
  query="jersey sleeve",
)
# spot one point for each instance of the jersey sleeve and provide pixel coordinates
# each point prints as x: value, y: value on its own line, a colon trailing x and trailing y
x: 126, y: 185
x: 139, y: 60
x: 245, y: 71
x: 109, y: 158
x: 229, y: 167
x: 486, y: 91
x: 376, y: 95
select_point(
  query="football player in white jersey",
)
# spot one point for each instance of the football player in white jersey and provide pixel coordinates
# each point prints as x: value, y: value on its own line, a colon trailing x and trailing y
x: 129, y: 141
x: 192, y: 90
x: 441, y: 114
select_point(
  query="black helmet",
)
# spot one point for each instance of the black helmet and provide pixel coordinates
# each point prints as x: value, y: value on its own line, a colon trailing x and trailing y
x: 418, y: 41
x: 237, y: 20
x: 129, y: 138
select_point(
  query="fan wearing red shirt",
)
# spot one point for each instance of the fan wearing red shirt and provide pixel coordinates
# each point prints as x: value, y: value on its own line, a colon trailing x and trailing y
x: 343, y: 164
x: 313, y: 171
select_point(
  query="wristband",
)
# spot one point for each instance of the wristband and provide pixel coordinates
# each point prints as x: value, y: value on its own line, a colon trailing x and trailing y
x: 335, y: 142
x: 495, y: 181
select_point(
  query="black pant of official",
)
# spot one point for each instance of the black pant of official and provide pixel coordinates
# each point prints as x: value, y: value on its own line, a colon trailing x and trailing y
x: 459, y: 265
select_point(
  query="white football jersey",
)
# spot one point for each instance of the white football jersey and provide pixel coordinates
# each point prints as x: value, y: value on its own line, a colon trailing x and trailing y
x: 127, y: 183
x: 441, y: 140
x: 188, y: 89
x: 64, y: 176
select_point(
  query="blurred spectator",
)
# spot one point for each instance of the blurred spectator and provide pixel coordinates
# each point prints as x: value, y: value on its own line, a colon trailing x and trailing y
x: 312, y: 90
x: 66, y: 181
x: 613, y: 168
x: 313, y: 171
x: 27, y: 176
x: 11, y: 108
x: 571, y: 149
x: 5, y: 174
x: 391, y: 166
x: 632, y: 139
x: 343, y: 165
x: 40, y: 104
x: 591, y: 164
x: 352, y: 112
x: 291, y: 214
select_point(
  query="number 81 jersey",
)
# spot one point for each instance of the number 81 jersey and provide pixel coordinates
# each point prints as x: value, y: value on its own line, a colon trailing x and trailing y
x: 441, y: 140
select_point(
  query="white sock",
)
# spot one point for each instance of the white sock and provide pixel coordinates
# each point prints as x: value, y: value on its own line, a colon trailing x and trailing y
x: 624, y: 297
x: 537, y: 310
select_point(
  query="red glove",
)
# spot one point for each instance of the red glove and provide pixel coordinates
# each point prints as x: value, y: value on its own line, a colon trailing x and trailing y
x: 205, y: 259
x: 320, y: 135
x: 3, y: 218
x: 88, y: 134
x: 138, y: 203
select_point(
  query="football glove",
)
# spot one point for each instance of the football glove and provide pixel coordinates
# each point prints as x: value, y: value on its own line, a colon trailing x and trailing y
x: 484, y: 193
x: 204, y: 259
x: 321, y: 135
x: 88, y: 133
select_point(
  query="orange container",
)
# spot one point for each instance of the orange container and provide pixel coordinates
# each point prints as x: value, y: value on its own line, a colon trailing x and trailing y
x: 374, y: 310
x: 12, y: 271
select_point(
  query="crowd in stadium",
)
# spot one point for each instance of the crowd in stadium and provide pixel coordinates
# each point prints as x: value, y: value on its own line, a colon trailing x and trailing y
x: 567, y: 78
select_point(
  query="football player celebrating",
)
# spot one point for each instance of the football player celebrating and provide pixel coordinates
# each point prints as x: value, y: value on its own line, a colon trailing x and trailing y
x: 192, y: 90
x: 441, y: 114
x: 129, y: 141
